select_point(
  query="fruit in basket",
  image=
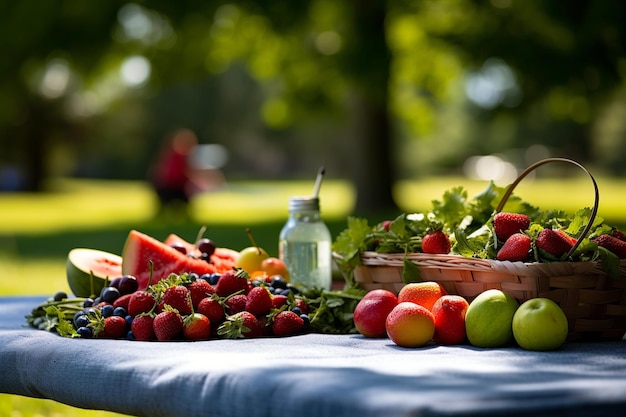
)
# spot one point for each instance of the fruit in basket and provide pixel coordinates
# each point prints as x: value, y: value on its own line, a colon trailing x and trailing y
x: 553, y: 242
x: 436, y: 242
x: 515, y: 248
x: 410, y: 325
x: 612, y: 243
x: 83, y: 263
x: 506, y: 224
x: 424, y: 293
x: 449, y: 313
x: 540, y: 324
x: 489, y: 319
x: 144, y: 256
x: 371, y: 312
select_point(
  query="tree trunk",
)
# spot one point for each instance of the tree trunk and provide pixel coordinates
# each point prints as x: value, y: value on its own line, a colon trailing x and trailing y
x: 371, y: 139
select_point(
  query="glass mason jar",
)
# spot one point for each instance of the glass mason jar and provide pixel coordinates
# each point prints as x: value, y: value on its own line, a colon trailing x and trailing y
x: 305, y: 244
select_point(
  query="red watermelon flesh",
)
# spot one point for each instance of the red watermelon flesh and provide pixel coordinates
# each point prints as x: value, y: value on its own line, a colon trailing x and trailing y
x: 223, y: 258
x: 140, y: 249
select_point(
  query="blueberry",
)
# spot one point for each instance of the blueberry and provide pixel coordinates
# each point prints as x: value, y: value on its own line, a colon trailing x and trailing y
x: 293, y: 288
x: 85, y: 332
x: 214, y: 278
x: 307, y: 321
x: 130, y: 335
x: 193, y: 276
x: 129, y: 320
x: 110, y: 294
x: 107, y: 310
x: 81, y: 320
x: 59, y: 296
x: 285, y: 292
x: 120, y: 311
x: 278, y: 282
x: 206, y: 277
x: 297, y: 310
x: 88, y: 302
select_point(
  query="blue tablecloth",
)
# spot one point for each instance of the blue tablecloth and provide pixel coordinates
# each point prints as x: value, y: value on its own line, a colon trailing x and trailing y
x: 307, y: 376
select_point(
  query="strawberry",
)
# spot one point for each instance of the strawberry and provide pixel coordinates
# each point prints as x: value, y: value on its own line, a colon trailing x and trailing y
x: 231, y: 282
x: 176, y: 297
x: 197, y: 327
x: 212, y: 308
x: 259, y: 301
x: 240, y: 325
x: 236, y: 303
x: 612, y: 243
x: 302, y: 305
x: 287, y: 323
x: 114, y: 328
x: 278, y: 300
x: 619, y: 234
x: 123, y: 301
x: 515, y: 248
x: 436, y: 242
x: 553, y: 242
x: 168, y: 324
x: 506, y: 224
x: 569, y: 238
x: 140, y: 302
x: 142, y: 328
x: 200, y: 289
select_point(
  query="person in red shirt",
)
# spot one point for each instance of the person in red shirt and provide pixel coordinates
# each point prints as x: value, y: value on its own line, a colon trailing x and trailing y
x: 171, y: 175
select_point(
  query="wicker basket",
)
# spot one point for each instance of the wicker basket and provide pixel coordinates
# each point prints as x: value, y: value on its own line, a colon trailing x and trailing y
x: 594, y: 303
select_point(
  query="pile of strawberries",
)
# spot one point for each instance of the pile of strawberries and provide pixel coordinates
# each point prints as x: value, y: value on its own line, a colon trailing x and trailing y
x: 516, y: 245
x: 189, y: 307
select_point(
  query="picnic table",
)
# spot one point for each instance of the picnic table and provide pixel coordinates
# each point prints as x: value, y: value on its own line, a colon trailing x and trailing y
x: 310, y: 375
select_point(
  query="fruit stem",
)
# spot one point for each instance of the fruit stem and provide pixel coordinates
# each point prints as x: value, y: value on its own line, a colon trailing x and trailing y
x: 249, y: 232
x: 201, y: 233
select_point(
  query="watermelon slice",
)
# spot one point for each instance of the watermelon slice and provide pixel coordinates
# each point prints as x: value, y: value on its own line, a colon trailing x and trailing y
x: 224, y: 259
x: 140, y: 249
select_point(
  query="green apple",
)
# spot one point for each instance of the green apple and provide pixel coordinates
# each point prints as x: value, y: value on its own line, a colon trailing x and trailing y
x: 489, y: 319
x: 251, y: 259
x: 540, y: 324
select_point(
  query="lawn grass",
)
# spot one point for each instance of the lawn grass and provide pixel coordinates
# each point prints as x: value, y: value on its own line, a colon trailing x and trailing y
x: 38, y: 230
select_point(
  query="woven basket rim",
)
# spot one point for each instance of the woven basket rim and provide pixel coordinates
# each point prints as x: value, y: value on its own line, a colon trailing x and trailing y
x: 459, y: 262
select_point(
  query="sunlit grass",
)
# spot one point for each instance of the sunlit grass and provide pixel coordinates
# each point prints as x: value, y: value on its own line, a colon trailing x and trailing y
x: 18, y: 406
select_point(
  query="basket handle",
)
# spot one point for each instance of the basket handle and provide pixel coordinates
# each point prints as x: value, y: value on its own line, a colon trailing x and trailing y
x: 531, y: 168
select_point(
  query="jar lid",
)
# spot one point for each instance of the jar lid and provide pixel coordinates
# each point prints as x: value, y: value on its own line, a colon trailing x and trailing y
x: 304, y: 204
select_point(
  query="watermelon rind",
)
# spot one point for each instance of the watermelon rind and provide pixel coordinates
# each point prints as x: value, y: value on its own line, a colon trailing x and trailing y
x: 82, y: 263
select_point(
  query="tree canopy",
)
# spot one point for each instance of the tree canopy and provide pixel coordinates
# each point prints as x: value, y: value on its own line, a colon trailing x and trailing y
x: 374, y: 90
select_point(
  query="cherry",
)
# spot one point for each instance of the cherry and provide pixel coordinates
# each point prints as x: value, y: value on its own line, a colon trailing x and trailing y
x: 206, y: 245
